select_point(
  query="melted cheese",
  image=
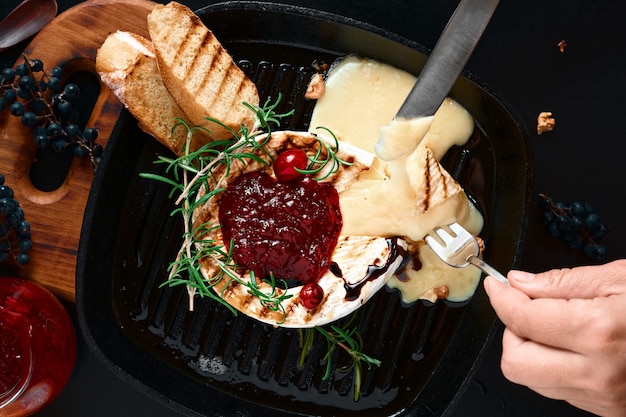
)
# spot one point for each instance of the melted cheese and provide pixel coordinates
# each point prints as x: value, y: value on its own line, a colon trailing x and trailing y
x: 361, y: 98
x: 352, y: 86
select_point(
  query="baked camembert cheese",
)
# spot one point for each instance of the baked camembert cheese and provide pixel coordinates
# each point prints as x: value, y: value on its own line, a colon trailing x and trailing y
x: 347, y: 285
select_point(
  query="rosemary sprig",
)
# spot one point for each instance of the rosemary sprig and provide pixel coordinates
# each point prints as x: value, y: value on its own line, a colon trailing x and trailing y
x: 194, y: 180
x: 346, y: 337
x: 325, y: 162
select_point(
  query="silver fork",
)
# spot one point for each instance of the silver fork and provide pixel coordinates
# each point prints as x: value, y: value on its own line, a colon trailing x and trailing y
x: 457, y: 247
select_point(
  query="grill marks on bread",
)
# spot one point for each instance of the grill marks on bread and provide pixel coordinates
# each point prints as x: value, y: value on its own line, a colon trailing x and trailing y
x: 127, y: 65
x: 199, y: 72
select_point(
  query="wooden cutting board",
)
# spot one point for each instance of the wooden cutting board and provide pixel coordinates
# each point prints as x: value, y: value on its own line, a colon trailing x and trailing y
x: 70, y: 41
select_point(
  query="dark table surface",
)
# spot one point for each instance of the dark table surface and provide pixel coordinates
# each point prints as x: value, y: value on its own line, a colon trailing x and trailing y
x: 583, y: 159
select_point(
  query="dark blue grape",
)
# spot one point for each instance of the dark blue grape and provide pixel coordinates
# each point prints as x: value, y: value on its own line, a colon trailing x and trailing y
x: 594, y: 251
x: 54, y: 129
x: 24, y: 94
x: 16, y: 109
x: 72, y: 130
x: 553, y: 230
x: 600, y: 252
x: 23, y: 227
x: 577, y: 223
x: 42, y: 141
x: 600, y: 232
x: 10, y: 96
x: 36, y: 65
x: 18, y: 213
x: 97, y: 150
x: 26, y: 83
x: 6, y: 191
x: 71, y: 91
x: 3, y: 104
x: 56, y: 72
x: 573, y: 239
x: 22, y: 258
x: 29, y: 119
x: 592, y: 221
x: 563, y: 222
x: 91, y: 134
x: 9, y: 204
x: 14, y: 218
x: 58, y: 145
x: 54, y: 84
x: 579, y: 209
x: 8, y: 74
x: 64, y: 107
x: 21, y: 69
x: 1, y: 179
x: 38, y: 105
x: 41, y: 136
x: 81, y: 151
x: 26, y: 245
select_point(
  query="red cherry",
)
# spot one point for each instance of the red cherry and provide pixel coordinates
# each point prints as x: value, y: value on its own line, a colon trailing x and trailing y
x: 311, y: 295
x: 286, y: 163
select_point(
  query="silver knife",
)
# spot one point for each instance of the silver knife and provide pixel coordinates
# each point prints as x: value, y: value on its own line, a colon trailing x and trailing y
x: 448, y: 58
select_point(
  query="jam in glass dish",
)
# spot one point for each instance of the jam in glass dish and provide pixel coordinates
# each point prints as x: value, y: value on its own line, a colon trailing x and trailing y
x: 37, y: 347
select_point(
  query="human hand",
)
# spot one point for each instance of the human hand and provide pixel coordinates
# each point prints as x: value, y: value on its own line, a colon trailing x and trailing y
x: 565, y: 335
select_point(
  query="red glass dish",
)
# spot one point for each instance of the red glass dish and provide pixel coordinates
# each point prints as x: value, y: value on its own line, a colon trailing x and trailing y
x: 37, y: 347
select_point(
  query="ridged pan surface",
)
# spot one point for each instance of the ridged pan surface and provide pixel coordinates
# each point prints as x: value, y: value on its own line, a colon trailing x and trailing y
x: 209, y: 362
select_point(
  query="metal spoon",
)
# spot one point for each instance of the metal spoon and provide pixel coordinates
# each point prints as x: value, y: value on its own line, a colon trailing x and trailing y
x: 28, y: 18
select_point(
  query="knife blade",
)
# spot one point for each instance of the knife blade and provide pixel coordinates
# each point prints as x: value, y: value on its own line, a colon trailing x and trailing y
x: 451, y: 53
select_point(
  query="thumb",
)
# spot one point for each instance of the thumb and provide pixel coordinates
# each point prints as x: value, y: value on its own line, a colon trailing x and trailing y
x: 580, y: 282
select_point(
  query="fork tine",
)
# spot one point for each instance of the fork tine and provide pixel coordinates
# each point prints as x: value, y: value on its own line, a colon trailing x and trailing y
x: 434, y: 242
x: 444, y: 235
x: 458, y: 230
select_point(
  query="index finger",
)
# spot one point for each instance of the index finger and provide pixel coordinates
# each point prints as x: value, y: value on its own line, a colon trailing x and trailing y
x: 553, y: 322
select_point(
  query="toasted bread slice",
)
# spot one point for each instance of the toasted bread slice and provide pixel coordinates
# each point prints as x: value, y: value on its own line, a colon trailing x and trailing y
x: 127, y: 65
x: 199, y: 73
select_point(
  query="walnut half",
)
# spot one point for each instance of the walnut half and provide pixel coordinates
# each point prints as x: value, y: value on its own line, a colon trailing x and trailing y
x: 545, y: 122
x: 316, y: 87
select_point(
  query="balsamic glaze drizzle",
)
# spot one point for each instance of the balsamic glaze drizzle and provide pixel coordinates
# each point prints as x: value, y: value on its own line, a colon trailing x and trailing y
x: 373, y: 271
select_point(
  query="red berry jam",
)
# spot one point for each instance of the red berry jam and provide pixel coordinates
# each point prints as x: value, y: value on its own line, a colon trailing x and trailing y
x: 11, y: 359
x: 37, y: 347
x: 289, y: 229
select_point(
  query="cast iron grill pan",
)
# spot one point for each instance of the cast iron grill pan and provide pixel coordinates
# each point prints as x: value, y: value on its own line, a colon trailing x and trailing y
x: 209, y: 362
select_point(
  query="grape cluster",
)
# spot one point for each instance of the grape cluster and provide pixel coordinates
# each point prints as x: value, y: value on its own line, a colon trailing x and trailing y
x: 577, y: 224
x: 40, y: 101
x: 14, y: 230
